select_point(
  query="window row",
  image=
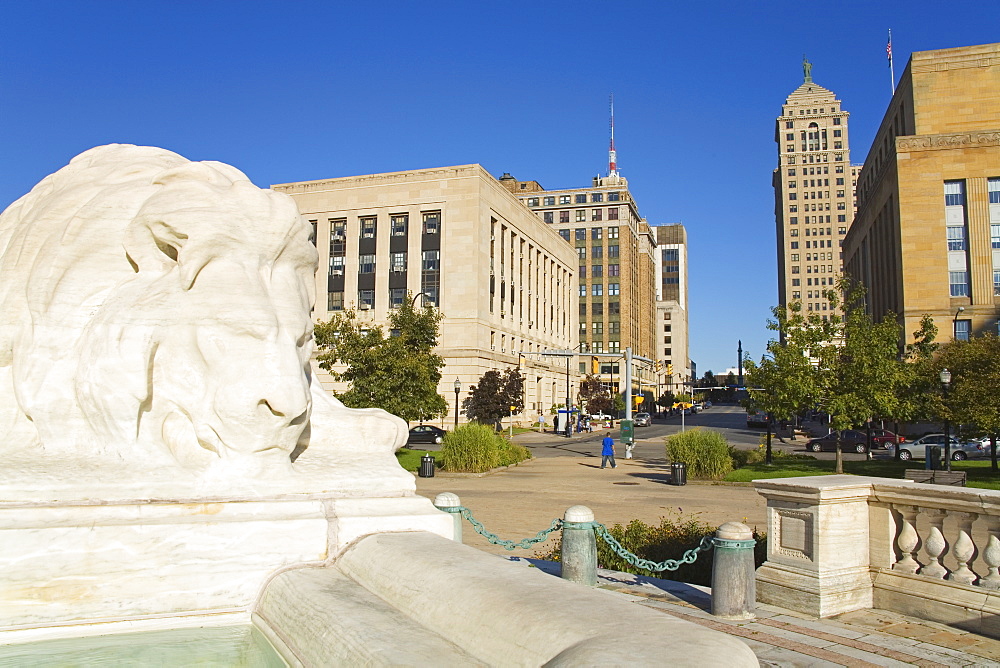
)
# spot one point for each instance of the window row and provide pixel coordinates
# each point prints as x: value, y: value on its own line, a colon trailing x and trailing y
x: 366, y: 298
x: 579, y: 198
x: 597, y: 252
x: 597, y: 289
x: 581, y: 215
x: 580, y: 233
x: 597, y: 271
x: 597, y: 308
x: 430, y: 260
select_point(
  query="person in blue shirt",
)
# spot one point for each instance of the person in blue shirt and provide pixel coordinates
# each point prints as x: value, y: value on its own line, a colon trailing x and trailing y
x: 608, y: 451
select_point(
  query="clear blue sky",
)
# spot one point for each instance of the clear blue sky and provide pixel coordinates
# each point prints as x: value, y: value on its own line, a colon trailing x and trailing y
x: 288, y: 91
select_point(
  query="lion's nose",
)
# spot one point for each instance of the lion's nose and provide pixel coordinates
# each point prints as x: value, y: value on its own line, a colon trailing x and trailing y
x: 288, y: 403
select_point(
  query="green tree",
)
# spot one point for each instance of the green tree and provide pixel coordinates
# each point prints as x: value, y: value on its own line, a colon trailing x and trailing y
x: 785, y: 382
x: 398, y: 372
x: 666, y: 400
x: 918, y: 372
x: 972, y: 400
x: 490, y: 400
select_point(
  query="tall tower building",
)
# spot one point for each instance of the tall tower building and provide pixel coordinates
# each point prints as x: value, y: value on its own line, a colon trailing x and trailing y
x: 672, y: 306
x: 813, y: 193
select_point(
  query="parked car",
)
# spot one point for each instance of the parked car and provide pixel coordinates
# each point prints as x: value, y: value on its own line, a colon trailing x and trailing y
x: 851, y: 440
x: 883, y: 438
x: 425, y: 433
x: 757, y: 419
x: 959, y: 449
x: 600, y: 416
x: 641, y: 420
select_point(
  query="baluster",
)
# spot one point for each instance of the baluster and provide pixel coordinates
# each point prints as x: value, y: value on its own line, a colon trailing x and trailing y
x: 908, y: 542
x: 964, y: 550
x: 936, y: 546
x: 991, y: 555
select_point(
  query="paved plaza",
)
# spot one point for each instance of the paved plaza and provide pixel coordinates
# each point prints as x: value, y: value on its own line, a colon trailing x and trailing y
x: 519, y: 501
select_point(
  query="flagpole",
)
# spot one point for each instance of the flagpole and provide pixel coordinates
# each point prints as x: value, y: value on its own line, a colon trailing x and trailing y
x: 892, y: 74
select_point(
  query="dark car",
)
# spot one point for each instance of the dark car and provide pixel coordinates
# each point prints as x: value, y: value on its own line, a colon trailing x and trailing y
x: 851, y: 440
x: 641, y: 419
x: 757, y: 419
x: 425, y: 433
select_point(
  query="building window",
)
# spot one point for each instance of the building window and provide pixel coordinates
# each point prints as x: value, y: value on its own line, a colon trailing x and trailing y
x: 431, y: 260
x: 581, y: 252
x: 335, y: 301
x: 398, y: 262
x: 614, y: 197
x: 796, y: 282
x: 581, y: 198
x: 794, y: 244
x: 581, y: 215
x: 398, y: 224
x: 595, y: 233
x: 795, y: 269
x: 564, y: 199
x: 795, y: 257
x: 366, y: 264
x: 597, y: 197
x: 954, y: 193
x: 614, y: 288
x: 368, y: 227
x: 597, y: 308
x: 598, y: 328
x: 963, y: 328
x: 532, y: 201
x: 612, y: 233
x: 549, y: 201
x: 597, y: 290
x: 548, y: 217
x: 582, y: 272
x: 597, y: 252
x: 614, y: 308
x: 581, y: 234
x: 993, y: 185
x: 432, y: 222
x: 613, y: 270
x: 366, y: 298
x: 959, y: 283
x: 794, y: 220
x: 996, y: 283
x: 614, y: 327
x: 564, y: 234
x: 583, y: 310
x: 597, y: 271
x: 583, y: 291
x: 994, y: 235
x: 336, y: 265
x: 613, y: 250
x: 564, y: 216
x: 956, y: 237
x: 396, y: 297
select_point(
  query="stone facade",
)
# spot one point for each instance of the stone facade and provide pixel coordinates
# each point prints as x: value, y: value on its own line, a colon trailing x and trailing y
x: 814, y: 194
x: 504, y: 281
x: 926, y: 239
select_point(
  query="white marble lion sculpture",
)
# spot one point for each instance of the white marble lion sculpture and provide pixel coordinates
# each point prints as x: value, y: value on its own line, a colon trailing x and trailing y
x: 156, y: 311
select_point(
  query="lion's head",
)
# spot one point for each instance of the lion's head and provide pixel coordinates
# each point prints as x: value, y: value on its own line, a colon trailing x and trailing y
x: 155, y: 308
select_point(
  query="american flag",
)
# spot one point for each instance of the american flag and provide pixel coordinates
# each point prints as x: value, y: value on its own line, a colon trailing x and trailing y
x: 888, y: 48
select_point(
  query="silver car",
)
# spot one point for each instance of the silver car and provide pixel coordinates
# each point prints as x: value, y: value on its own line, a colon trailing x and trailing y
x: 641, y: 419
x: 959, y: 449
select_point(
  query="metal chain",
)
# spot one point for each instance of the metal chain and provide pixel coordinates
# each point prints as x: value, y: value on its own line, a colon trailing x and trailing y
x: 508, y: 544
x: 689, y: 557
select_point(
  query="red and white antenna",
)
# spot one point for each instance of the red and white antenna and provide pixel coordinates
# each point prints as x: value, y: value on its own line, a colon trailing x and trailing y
x: 612, y: 154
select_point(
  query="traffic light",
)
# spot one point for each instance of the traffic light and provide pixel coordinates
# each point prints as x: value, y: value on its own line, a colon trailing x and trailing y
x: 670, y: 369
x: 595, y: 365
x: 657, y: 366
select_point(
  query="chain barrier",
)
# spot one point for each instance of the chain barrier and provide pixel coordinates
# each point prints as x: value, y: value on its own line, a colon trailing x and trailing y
x: 689, y: 557
x: 496, y: 540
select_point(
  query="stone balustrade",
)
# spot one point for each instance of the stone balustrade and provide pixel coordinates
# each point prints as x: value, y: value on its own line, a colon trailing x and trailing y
x: 841, y: 543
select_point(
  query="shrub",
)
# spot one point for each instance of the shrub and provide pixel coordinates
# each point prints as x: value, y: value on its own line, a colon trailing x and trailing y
x: 706, y: 453
x: 670, y: 540
x: 743, y: 458
x: 476, y: 448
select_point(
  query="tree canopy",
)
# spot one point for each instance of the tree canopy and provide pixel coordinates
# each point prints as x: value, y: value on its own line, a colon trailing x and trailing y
x: 492, y: 398
x: 397, y: 371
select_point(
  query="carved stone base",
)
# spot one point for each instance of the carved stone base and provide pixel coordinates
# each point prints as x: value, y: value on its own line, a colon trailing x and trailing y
x: 801, y: 590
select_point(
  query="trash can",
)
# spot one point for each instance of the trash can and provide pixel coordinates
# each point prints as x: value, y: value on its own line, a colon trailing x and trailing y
x: 932, y: 454
x: 426, y: 467
x: 678, y: 473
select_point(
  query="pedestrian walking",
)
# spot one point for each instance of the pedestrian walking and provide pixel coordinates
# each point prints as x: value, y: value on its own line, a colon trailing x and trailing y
x: 608, y: 451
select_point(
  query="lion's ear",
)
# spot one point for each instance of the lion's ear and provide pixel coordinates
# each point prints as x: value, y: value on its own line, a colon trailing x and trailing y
x: 152, y: 244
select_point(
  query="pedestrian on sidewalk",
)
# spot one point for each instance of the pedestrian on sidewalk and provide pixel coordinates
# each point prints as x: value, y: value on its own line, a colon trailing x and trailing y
x: 608, y: 451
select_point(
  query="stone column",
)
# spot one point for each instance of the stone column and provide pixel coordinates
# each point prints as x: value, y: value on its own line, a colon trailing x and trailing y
x: 579, y: 546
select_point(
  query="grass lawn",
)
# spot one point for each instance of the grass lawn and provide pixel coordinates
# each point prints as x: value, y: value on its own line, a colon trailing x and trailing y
x: 978, y: 472
x: 410, y: 459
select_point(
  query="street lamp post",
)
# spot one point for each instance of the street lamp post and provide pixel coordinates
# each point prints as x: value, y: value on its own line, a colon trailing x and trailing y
x: 945, y: 377
x: 458, y: 388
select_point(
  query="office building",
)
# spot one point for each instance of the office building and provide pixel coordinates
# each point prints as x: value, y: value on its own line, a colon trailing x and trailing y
x: 615, y: 274
x: 926, y: 239
x: 672, y: 307
x: 505, y: 281
x: 813, y: 193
